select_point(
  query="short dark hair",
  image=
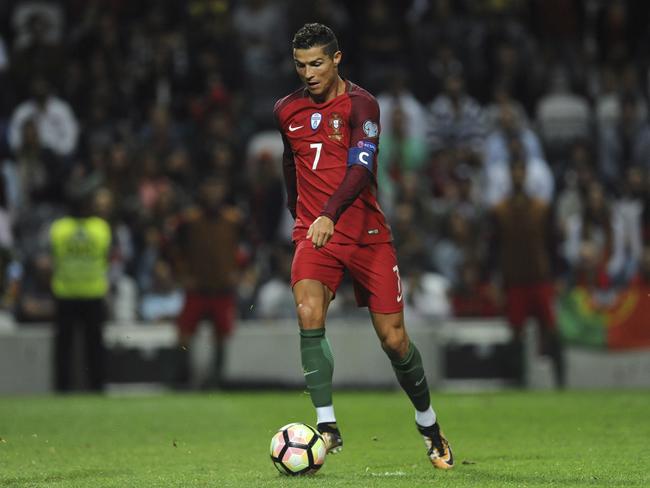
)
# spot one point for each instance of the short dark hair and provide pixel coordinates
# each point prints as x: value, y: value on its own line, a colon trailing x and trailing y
x: 313, y: 35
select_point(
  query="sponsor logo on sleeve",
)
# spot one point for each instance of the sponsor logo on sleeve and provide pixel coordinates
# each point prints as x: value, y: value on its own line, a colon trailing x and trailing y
x: 316, y: 117
x: 367, y: 145
x: 370, y: 128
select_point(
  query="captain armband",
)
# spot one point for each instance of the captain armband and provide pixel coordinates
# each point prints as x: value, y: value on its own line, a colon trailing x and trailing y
x: 363, y: 153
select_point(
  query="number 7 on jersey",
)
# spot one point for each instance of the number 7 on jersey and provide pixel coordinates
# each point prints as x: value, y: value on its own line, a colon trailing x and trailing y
x: 318, y: 146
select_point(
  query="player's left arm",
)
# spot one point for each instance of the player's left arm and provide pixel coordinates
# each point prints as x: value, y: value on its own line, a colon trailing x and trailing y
x: 362, y: 157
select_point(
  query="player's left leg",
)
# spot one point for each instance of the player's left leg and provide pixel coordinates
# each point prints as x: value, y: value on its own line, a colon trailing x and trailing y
x: 551, y: 341
x: 222, y: 313
x: 378, y: 286
x: 407, y: 364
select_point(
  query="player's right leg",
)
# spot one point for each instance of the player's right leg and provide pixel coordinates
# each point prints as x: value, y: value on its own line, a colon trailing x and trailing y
x: 186, y: 324
x: 312, y: 300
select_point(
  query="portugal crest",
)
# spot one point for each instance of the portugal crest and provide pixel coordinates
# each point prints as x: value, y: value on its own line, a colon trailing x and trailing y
x: 336, y: 124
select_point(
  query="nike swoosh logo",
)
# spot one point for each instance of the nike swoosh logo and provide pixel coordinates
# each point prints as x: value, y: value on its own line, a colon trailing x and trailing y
x: 399, y: 298
x: 418, y: 383
x: 307, y: 373
x: 292, y: 129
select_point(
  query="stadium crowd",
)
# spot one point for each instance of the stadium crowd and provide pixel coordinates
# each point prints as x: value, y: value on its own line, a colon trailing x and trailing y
x: 136, y: 103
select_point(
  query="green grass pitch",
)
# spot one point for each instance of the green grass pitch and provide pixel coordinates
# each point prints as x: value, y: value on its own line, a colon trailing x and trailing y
x: 509, y: 439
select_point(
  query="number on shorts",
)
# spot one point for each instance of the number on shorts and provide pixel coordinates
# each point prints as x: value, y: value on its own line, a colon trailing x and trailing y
x: 399, y: 284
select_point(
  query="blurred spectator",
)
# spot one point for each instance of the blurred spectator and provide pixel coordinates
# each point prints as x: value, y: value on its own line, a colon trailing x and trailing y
x: 410, y: 241
x: 163, y: 300
x: 398, y: 97
x: 456, y: 120
x: 266, y: 190
x: 619, y: 25
x: 160, y: 134
x: 54, y: 119
x: 257, y: 23
x: 205, y: 256
x: 382, y: 38
x: 628, y: 210
x: 613, y: 87
x: 523, y: 246
x: 80, y: 247
x: 599, y: 227
x: 333, y: 13
x: 411, y: 191
x: 149, y: 253
x: 179, y: 168
x: 123, y: 287
x: 6, y: 223
x: 33, y: 301
x: 539, y: 183
x: 578, y: 176
x: 403, y: 150
x: 440, y: 30
x: 588, y: 273
x: 472, y: 296
x: 150, y: 180
x: 517, y: 118
x: 426, y: 295
x: 562, y: 116
x: 37, y: 173
x: 510, y: 125
x: 4, y: 57
x: 49, y: 20
x: 623, y: 144
x: 274, y: 297
x: 645, y: 219
x: 38, y: 46
x: 456, y: 246
x: 7, y: 87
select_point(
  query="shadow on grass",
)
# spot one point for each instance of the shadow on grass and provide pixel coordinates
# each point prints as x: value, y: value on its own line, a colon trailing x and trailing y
x: 74, y: 475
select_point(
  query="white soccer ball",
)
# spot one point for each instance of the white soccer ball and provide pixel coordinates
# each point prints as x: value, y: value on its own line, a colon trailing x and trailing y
x: 297, y: 449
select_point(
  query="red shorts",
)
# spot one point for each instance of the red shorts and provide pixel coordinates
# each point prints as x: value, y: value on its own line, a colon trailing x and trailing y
x: 530, y: 301
x: 218, y: 308
x: 373, y: 268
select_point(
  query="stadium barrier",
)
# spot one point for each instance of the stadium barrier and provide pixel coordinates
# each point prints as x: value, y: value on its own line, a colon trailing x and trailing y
x: 457, y: 354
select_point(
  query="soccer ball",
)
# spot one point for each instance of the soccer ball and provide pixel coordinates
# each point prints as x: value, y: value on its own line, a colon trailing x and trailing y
x: 297, y: 449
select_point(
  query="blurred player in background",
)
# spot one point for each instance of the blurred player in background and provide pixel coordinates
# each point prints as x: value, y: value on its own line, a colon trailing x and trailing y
x: 523, y: 247
x: 205, y: 256
x: 330, y: 128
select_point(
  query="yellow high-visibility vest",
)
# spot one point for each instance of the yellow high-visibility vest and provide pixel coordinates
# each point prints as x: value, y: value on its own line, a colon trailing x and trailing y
x: 80, y: 249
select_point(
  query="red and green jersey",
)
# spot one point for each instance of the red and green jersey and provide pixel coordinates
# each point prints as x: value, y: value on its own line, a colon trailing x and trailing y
x: 322, y: 142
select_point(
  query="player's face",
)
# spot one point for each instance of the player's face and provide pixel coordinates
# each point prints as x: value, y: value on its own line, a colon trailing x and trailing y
x: 317, y: 70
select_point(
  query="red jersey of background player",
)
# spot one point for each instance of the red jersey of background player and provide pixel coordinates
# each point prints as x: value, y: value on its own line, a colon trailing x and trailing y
x: 320, y: 141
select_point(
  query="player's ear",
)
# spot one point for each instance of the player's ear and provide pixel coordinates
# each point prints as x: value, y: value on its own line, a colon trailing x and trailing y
x: 337, y: 58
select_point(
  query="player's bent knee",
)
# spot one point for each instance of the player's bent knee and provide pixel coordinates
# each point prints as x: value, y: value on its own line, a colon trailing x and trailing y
x: 395, y: 344
x: 309, y: 317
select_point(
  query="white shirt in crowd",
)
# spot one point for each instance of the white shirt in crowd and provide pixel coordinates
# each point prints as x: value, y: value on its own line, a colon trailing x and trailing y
x: 56, y: 123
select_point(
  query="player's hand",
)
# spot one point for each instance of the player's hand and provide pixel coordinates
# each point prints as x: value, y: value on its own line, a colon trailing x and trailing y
x: 320, y: 231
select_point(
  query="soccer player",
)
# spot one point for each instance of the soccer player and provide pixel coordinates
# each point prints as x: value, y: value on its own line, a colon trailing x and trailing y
x: 330, y: 128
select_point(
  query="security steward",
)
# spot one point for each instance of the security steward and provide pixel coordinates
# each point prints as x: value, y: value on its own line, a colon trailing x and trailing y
x: 80, y: 245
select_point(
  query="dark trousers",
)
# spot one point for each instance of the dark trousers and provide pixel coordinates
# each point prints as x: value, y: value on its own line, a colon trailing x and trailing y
x: 85, y: 318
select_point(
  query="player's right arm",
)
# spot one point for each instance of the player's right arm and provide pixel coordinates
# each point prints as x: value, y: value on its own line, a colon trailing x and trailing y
x: 289, y: 171
x: 288, y: 163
